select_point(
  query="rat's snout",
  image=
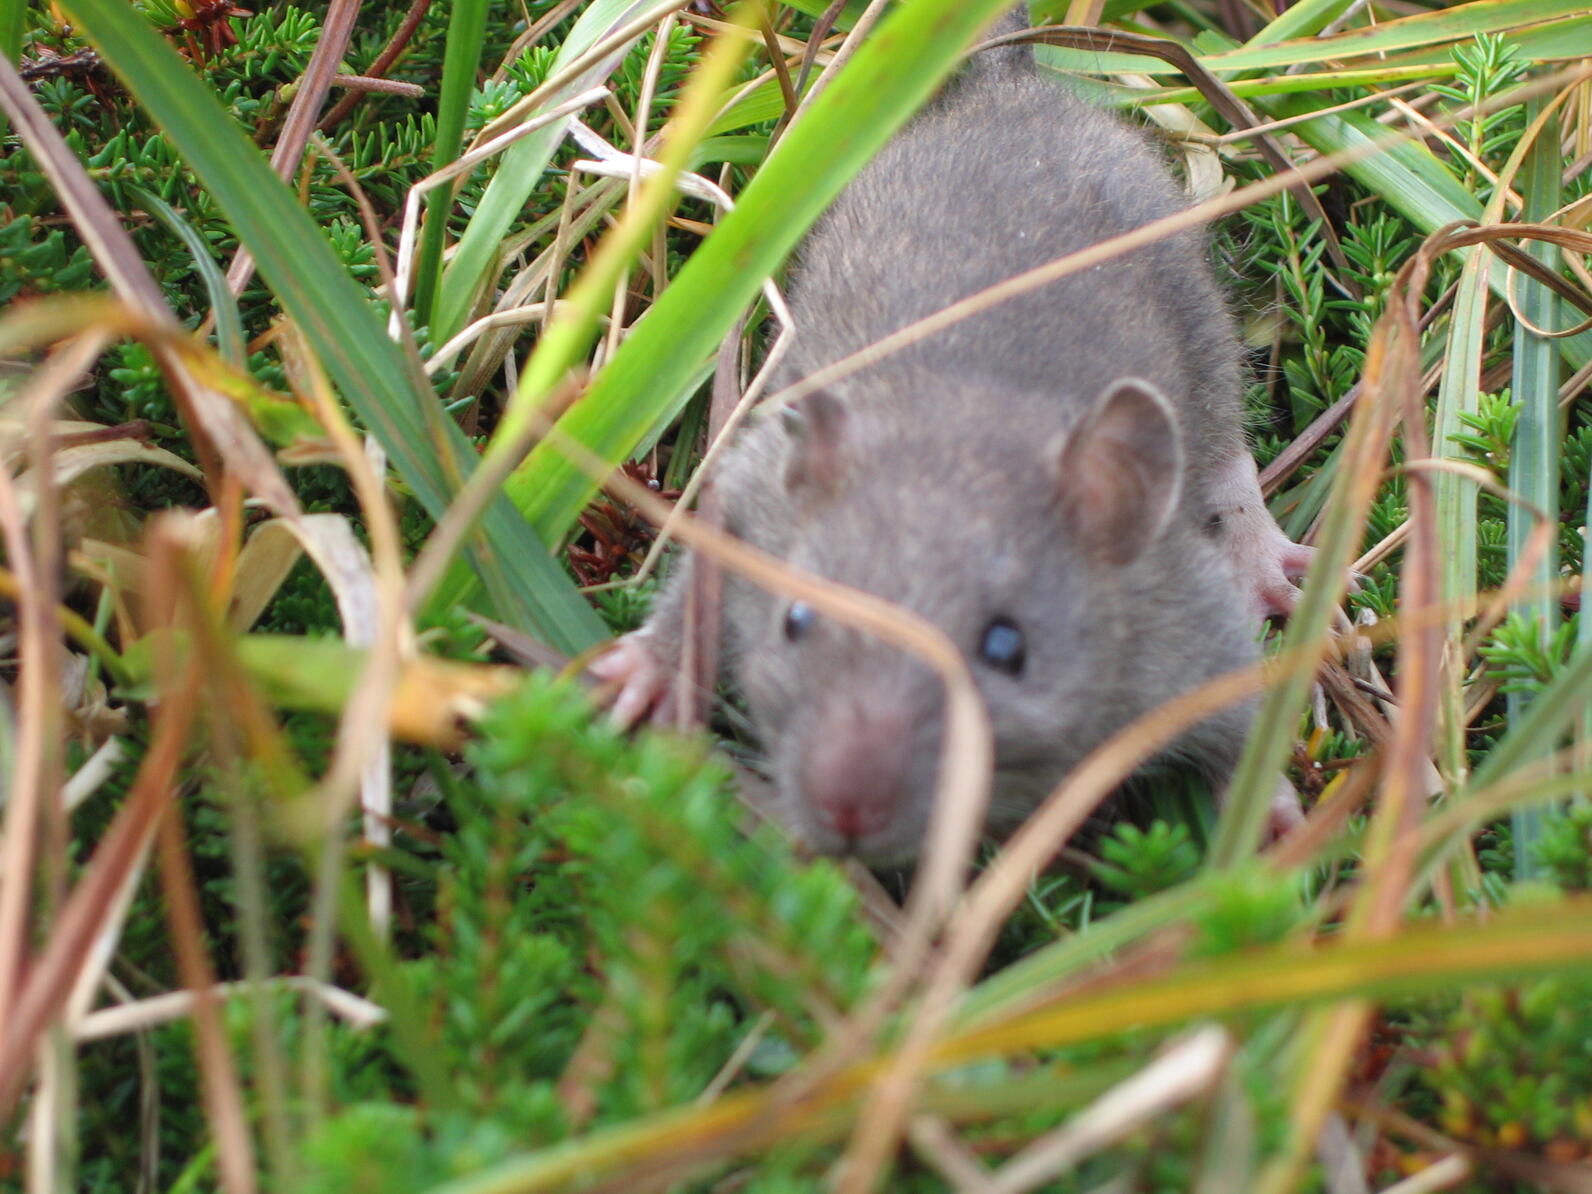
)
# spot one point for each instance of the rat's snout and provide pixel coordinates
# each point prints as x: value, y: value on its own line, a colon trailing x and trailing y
x: 856, y: 774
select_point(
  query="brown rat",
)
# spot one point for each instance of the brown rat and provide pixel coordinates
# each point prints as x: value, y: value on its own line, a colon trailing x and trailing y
x: 1060, y: 483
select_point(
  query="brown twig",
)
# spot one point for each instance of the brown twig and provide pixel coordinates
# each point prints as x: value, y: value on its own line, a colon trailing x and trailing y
x: 366, y: 84
x: 336, y: 32
x: 395, y: 46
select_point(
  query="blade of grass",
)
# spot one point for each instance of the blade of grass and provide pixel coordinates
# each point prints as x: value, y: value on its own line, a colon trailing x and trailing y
x: 13, y: 24
x: 1313, y: 81
x: 1534, y: 455
x: 462, y: 57
x: 1389, y: 855
x: 119, y: 850
x: 1566, y: 40
x: 1456, y: 23
x: 523, y: 580
x: 764, y: 102
x: 815, y: 8
x: 229, y: 325
x: 1456, y: 496
x: 1305, y: 19
x: 1407, y: 174
x: 1019, y: 981
x: 890, y: 76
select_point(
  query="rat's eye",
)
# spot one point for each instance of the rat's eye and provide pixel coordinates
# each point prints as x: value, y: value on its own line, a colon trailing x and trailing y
x: 1002, y: 647
x: 798, y: 620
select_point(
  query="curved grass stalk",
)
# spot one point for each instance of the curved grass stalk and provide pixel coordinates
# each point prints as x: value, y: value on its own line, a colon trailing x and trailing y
x: 1534, y: 455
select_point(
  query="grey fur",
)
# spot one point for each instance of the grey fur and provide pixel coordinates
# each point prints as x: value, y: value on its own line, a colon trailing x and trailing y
x: 946, y: 499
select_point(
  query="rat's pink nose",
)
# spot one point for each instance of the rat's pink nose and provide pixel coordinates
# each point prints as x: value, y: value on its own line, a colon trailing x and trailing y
x: 856, y: 775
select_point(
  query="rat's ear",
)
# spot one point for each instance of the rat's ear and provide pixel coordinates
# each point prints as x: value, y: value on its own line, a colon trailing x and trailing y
x: 817, y: 427
x: 1118, y: 474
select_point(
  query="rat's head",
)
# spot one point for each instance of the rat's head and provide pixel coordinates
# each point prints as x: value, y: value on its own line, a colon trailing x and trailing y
x: 1021, y: 538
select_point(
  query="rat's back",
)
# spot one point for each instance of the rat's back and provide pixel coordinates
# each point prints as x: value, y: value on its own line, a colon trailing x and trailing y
x: 1006, y: 170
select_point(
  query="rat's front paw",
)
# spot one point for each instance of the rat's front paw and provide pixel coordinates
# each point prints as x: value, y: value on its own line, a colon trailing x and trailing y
x: 635, y: 679
x: 1285, y: 813
x: 1268, y: 563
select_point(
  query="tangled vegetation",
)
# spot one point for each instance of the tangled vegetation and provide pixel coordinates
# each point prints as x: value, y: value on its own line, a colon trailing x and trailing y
x: 315, y: 877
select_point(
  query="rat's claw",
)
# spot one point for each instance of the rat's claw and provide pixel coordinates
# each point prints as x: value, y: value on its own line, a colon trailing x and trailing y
x: 1286, y: 812
x: 1273, y: 568
x: 1274, y: 596
x: 639, y: 683
x: 1267, y: 561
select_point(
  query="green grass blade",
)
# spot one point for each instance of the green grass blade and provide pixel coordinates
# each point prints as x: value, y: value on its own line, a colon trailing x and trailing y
x: 1305, y: 19
x: 337, y: 316
x: 1454, y: 496
x: 764, y: 102
x: 466, y: 27
x: 525, y: 163
x: 1534, y: 455
x: 1406, y: 173
x: 1045, y: 966
x: 229, y: 325
x: 13, y: 25
x: 1562, y: 40
x: 1456, y: 396
x: 815, y: 8
x: 1457, y: 23
x: 890, y: 76
x: 1311, y: 81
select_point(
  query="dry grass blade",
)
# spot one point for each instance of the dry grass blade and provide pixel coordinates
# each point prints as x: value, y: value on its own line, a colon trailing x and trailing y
x: 1184, y: 1070
x: 362, y: 754
x: 329, y: 540
x: 33, y: 558
x: 136, y: 1015
x: 560, y: 347
x: 54, y: 971
x: 223, y: 1097
x: 72, y: 462
x: 382, y: 63
x: 1391, y: 848
x: 308, y: 95
x: 411, y: 225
